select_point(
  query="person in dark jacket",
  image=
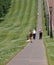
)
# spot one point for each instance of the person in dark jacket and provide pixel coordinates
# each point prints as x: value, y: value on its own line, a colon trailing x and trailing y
x: 30, y: 36
x: 40, y: 33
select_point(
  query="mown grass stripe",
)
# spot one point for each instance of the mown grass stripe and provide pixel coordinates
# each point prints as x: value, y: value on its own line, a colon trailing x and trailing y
x: 27, y: 14
x: 24, y: 10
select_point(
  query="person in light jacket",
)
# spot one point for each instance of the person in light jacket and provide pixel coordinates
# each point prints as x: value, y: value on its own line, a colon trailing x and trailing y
x: 34, y: 34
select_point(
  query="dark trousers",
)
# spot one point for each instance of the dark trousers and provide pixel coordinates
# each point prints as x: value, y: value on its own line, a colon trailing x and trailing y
x: 40, y: 35
x: 34, y: 36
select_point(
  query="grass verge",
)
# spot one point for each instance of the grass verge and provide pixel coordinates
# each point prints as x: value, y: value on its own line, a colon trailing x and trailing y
x: 49, y: 43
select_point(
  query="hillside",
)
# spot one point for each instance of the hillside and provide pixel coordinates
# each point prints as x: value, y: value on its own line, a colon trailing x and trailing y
x: 20, y: 19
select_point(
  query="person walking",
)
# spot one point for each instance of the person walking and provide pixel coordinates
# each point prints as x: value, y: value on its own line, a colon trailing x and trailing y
x: 30, y: 36
x: 34, y: 34
x: 40, y: 34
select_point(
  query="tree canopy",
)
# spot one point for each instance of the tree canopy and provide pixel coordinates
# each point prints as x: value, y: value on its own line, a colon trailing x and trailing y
x: 4, y: 6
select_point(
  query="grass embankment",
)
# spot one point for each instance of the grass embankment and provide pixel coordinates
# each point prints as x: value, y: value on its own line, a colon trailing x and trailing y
x: 49, y: 43
x: 22, y: 17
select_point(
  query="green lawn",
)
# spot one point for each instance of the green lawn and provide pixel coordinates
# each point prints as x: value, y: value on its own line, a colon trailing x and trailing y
x: 22, y: 17
x: 49, y: 44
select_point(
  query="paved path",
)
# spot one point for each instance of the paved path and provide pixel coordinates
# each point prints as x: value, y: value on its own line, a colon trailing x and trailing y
x: 33, y: 53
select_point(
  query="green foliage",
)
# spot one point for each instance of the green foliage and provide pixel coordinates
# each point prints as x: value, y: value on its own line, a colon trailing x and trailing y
x: 4, y: 6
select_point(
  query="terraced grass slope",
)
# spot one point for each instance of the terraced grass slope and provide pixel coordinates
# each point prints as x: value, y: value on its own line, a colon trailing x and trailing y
x: 22, y: 17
